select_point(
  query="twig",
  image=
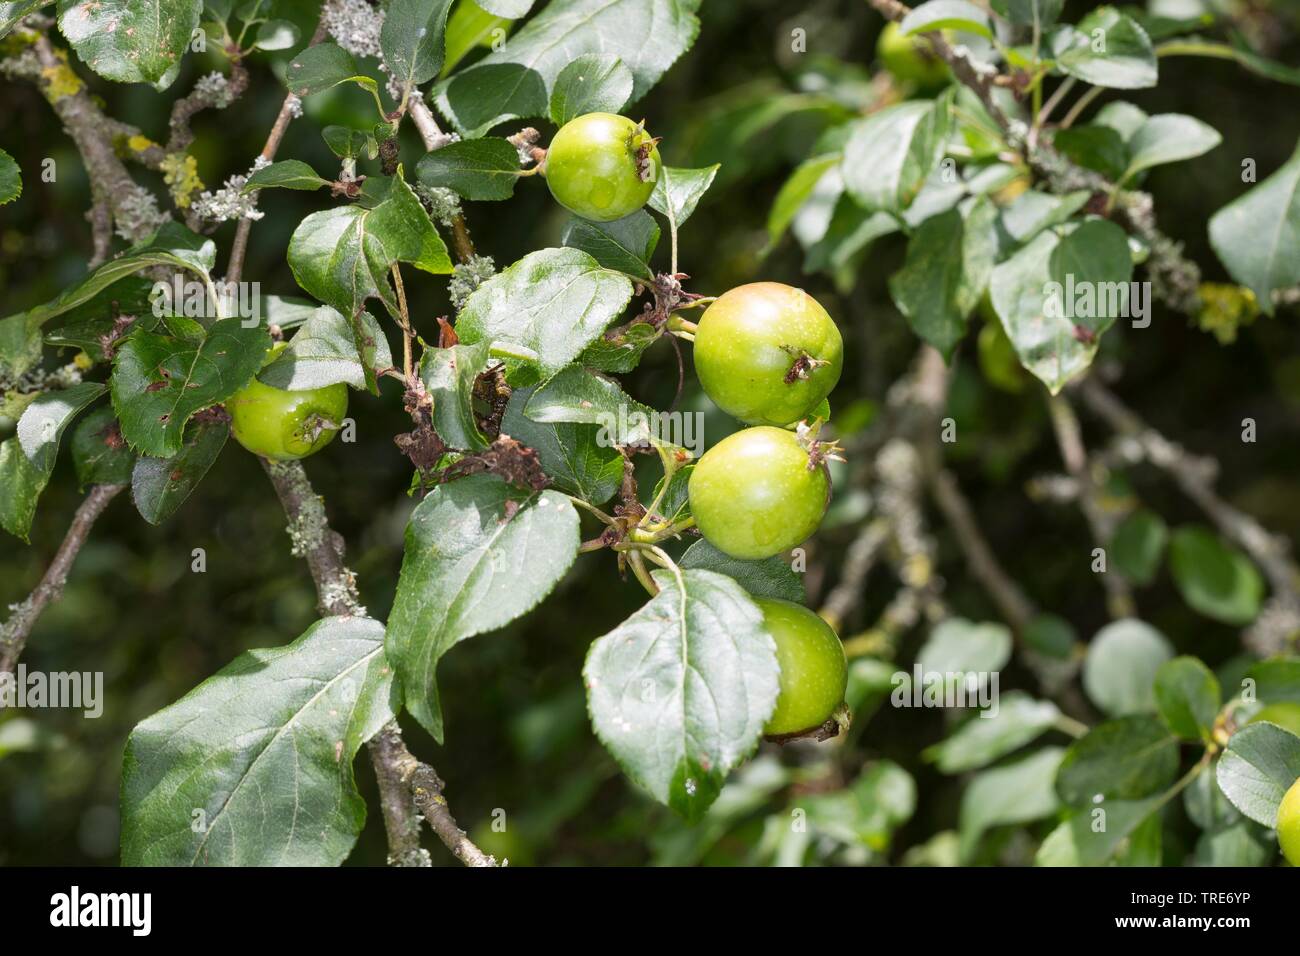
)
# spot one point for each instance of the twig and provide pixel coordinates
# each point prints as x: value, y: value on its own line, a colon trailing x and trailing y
x: 434, y: 138
x: 858, y: 562
x: 14, y: 634
x: 395, y: 767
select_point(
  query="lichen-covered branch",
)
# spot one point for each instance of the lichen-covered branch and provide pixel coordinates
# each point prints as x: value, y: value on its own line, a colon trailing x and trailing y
x: 16, y: 630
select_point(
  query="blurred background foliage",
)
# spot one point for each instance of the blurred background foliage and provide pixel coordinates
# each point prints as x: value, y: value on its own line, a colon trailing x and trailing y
x: 518, y: 740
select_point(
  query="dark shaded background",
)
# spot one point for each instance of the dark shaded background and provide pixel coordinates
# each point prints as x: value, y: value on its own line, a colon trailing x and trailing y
x: 517, y: 733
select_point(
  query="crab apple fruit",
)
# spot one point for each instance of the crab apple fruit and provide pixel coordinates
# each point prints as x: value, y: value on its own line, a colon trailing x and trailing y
x: 814, y: 671
x: 1288, y: 824
x: 602, y: 166
x: 758, y: 492
x: 285, y: 425
x: 910, y: 59
x: 767, y: 353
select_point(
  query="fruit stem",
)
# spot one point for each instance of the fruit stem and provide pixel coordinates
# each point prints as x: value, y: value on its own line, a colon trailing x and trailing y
x: 677, y: 325
x: 593, y: 510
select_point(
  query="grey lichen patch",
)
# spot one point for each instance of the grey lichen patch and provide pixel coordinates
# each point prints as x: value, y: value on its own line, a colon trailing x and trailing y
x: 466, y: 277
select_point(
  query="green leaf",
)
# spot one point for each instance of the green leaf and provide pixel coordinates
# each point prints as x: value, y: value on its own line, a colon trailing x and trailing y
x: 11, y: 179
x: 678, y: 191
x: 99, y: 453
x: 624, y: 245
x: 42, y: 424
x: 277, y: 35
x: 579, y: 395
x: 795, y: 192
x: 1017, y: 792
x: 1094, y: 836
x: 891, y: 153
x: 449, y: 375
x: 254, y: 766
x: 593, y: 83
x: 21, y: 484
x: 1277, y: 680
x: 572, y: 456
x: 1205, y: 803
x: 323, y: 351
x: 1257, y: 235
x: 984, y: 738
x: 1024, y: 12
x: 620, y: 349
x: 1243, y: 843
x: 159, y: 486
x: 1187, y: 697
x: 958, y: 646
x: 1128, y: 758
x: 286, y: 174
x: 1032, y: 211
x: 1122, y: 117
x: 1036, y: 294
x: 1121, y: 666
x: 514, y: 81
x: 129, y: 41
x: 471, y: 26
x: 324, y: 66
x: 485, y: 168
x: 413, y: 40
x: 949, y: 261
x: 1260, y: 764
x: 1109, y: 49
x: 160, y: 381
x: 479, y: 554
x: 768, y: 578
x: 1137, y: 546
x: 510, y: 9
x: 11, y: 13
x: 947, y: 15
x: 1096, y: 147
x: 553, y: 302
x: 347, y: 143
x: 1214, y: 578
x: 1168, y: 138
x: 680, y: 691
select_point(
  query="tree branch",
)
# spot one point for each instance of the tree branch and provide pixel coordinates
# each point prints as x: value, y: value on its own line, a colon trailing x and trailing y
x: 435, y: 138
x: 14, y: 634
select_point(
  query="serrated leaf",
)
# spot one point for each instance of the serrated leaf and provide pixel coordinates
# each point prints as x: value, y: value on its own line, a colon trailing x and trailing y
x: 1257, y: 235
x: 449, y: 375
x: 1017, y: 792
x: 1215, y: 579
x: 768, y: 578
x: 678, y: 191
x: 324, y: 352
x: 620, y: 350
x: 624, y: 245
x: 1120, y: 668
x: 593, y: 83
x: 891, y: 153
x: 254, y: 766
x: 578, y: 395
x: 42, y: 424
x: 323, y: 66
x: 286, y: 174
x: 160, y: 381
x: 99, y: 452
x: 572, y: 456
x: 21, y: 484
x: 11, y: 179
x: 1168, y: 138
x: 346, y: 143
x: 413, y: 40
x: 1036, y: 294
x: 984, y: 738
x: 949, y: 261
x: 553, y: 302
x: 680, y: 691
x: 947, y: 15
x: 1127, y: 759
x: 515, y: 81
x: 1109, y: 49
x: 485, y: 168
x: 159, y: 486
x: 1260, y: 764
x: 1187, y: 697
x: 479, y: 554
x: 129, y: 41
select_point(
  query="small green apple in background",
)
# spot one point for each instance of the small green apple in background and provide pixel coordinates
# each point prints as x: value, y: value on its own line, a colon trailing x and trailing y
x: 756, y: 493
x: 910, y: 59
x: 814, y: 670
x: 767, y: 353
x: 602, y: 166
x: 286, y: 425
x: 1288, y: 824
